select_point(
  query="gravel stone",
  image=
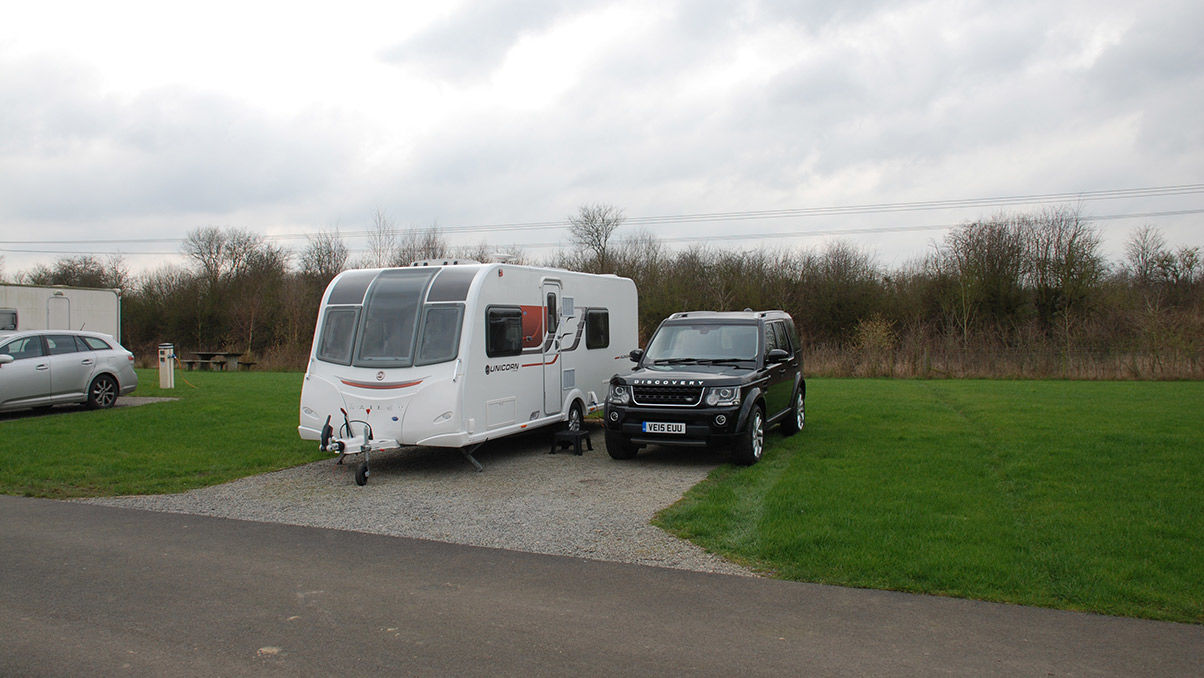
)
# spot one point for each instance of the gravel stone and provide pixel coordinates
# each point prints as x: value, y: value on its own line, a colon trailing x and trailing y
x: 587, y: 506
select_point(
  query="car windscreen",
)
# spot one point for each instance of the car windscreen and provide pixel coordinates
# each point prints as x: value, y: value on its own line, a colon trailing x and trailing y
x: 703, y: 342
x: 390, y: 317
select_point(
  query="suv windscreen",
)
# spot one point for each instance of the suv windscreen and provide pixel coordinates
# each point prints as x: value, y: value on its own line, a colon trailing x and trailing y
x: 702, y: 343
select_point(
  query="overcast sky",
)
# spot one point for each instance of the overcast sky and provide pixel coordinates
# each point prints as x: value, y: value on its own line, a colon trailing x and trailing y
x: 127, y: 120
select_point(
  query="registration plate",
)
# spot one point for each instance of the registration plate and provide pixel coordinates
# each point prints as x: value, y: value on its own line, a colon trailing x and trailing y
x: 664, y: 427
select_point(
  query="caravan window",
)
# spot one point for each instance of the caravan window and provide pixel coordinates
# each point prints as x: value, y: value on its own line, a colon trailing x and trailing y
x: 8, y: 319
x: 553, y: 318
x: 597, y: 328
x: 386, y: 332
x: 338, y: 333
x: 440, y: 334
x: 504, y: 331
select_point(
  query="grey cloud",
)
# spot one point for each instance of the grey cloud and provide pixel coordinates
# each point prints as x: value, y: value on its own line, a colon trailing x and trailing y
x: 71, y: 153
x: 470, y: 44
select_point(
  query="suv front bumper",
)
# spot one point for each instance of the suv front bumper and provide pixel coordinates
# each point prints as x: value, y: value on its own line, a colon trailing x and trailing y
x: 704, y: 426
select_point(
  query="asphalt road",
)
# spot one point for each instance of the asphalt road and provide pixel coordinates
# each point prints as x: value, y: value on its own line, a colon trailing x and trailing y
x: 92, y: 590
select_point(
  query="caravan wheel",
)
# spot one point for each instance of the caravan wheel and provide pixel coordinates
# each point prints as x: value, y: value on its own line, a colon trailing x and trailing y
x: 576, y: 417
x: 361, y: 475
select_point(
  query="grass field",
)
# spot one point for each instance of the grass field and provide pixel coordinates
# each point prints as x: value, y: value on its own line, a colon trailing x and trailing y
x: 1074, y: 495
x: 229, y: 426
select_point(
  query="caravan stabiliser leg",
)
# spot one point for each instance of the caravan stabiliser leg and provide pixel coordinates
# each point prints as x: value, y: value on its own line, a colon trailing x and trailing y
x: 467, y: 452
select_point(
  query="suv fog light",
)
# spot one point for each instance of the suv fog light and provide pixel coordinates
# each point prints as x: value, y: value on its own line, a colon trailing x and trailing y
x: 614, y: 416
x: 720, y: 420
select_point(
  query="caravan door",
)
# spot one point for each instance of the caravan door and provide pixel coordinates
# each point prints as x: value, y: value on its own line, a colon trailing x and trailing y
x: 551, y: 347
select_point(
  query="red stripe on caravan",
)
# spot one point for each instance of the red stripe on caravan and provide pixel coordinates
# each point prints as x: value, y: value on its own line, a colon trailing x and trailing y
x: 550, y: 362
x: 381, y: 387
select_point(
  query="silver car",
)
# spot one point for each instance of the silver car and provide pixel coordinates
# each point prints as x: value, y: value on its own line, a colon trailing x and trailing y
x: 42, y: 368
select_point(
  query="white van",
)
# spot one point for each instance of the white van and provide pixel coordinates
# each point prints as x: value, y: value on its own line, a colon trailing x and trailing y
x: 454, y: 355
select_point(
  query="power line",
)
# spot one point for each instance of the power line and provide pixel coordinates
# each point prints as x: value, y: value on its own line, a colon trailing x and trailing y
x: 667, y: 219
x: 866, y: 230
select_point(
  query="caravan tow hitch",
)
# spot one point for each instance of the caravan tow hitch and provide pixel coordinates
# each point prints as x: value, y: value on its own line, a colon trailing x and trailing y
x: 328, y: 444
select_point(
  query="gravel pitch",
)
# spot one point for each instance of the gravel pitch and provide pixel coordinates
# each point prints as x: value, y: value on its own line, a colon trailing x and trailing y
x: 587, y: 506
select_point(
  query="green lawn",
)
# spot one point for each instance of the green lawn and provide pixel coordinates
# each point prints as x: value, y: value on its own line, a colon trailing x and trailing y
x: 230, y: 425
x: 1074, y: 495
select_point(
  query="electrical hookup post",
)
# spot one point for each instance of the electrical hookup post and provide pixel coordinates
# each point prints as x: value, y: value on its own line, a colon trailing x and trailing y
x: 167, y: 366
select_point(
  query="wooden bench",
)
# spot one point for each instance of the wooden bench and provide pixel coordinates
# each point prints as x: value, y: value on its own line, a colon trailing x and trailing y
x: 567, y: 439
x: 246, y: 364
x: 190, y: 364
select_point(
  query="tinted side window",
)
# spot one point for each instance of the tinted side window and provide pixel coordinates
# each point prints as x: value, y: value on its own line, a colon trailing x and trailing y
x: 503, y: 331
x: 27, y: 347
x: 771, y: 339
x: 779, y: 329
x: 95, y: 343
x: 60, y: 343
x: 597, y: 329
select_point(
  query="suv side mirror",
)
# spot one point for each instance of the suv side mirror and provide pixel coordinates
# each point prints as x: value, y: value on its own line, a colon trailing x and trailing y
x: 776, y: 355
x: 636, y: 354
x: 6, y: 359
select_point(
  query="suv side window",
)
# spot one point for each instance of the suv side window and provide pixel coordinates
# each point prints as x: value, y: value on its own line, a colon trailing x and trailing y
x: 771, y: 338
x: 779, y: 329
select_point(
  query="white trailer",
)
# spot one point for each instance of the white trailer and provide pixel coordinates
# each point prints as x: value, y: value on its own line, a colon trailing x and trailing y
x: 455, y: 355
x: 38, y: 307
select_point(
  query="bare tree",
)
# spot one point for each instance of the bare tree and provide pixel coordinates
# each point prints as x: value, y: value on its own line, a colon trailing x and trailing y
x: 415, y: 245
x: 382, y: 243
x: 81, y: 271
x: 325, y: 256
x: 206, y: 246
x: 1064, y: 264
x: 590, y: 230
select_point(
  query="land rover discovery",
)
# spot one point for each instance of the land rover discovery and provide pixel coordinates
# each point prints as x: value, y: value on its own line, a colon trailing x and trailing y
x: 709, y: 379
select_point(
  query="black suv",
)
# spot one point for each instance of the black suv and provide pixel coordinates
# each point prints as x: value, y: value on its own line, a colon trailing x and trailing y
x: 706, y: 379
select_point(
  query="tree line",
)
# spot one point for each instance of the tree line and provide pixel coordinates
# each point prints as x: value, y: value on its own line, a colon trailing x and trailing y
x: 1015, y: 295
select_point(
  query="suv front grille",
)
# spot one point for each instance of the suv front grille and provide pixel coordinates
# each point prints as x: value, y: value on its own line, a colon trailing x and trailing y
x: 679, y: 396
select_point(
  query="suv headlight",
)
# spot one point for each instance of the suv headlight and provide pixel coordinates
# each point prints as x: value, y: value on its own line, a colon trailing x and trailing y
x: 619, y: 394
x: 722, y: 396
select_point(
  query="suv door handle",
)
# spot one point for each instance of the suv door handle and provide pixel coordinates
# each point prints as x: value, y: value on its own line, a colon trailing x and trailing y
x: 87, y: 361
x: 43, y: 366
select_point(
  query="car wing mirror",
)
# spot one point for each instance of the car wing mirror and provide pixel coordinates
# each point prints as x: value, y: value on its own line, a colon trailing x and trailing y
x: 776, y: 355
x: 636, y: 354
x: 5, y: 359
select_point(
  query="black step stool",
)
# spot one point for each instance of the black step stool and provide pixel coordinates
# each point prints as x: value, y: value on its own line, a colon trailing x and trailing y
x: 567, y: 439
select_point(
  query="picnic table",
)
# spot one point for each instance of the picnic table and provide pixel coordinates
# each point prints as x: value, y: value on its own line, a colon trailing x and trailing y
x: 215, y: 359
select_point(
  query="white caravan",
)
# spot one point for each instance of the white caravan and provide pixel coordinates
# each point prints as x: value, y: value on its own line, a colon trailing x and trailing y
x: 453, y: 355
x: 38, y: 307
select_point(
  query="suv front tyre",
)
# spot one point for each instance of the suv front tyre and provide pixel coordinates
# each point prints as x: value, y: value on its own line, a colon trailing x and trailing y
x: 619, y: 447
x: 751, y: 443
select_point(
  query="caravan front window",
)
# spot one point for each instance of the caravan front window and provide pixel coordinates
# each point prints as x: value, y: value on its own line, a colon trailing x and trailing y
x: 440, y: 334
x: 386, y: 337
x: 338, y: 334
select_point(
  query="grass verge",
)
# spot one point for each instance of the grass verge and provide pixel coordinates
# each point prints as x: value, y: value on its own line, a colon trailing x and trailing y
x: 231, y: 425
x: 1072, y: 495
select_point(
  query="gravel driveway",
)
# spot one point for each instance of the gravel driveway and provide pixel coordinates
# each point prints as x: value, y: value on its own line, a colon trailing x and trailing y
x: 526, y: 500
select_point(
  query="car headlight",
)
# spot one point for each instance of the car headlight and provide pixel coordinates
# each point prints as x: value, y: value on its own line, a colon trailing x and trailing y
x: 723, y: 396
x: 619, y: 394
